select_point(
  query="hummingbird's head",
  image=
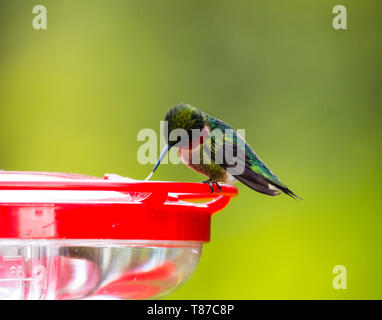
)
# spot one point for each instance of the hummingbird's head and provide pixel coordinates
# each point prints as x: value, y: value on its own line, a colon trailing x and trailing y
x: 185, y: 125
x: 186, y: 118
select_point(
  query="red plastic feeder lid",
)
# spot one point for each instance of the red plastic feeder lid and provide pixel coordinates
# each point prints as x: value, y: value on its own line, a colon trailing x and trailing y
x: 41, y: 205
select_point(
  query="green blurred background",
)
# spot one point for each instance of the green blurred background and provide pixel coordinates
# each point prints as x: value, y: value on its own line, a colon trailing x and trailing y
x: 73, y: 98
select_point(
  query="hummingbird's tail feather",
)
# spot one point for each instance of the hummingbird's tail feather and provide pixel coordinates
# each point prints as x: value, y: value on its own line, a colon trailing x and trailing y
x: 258, y: 187
x: 264, y: 185
x: 286, y: 191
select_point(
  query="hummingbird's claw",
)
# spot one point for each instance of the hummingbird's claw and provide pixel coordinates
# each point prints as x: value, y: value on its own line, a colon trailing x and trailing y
x: 218, y: 185
x: 210, y: 184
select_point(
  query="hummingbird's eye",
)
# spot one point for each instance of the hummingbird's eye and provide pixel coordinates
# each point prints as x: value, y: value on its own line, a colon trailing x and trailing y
x: 173, y: 139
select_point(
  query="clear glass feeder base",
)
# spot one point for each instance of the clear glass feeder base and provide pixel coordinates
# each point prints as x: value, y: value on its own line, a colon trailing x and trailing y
x: 94, y: 269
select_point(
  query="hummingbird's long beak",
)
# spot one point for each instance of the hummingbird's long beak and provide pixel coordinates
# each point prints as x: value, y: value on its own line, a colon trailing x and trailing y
x: 164, y: 152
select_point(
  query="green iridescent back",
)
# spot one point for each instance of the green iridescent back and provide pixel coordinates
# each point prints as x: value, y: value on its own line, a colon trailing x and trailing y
x: 256, y: 164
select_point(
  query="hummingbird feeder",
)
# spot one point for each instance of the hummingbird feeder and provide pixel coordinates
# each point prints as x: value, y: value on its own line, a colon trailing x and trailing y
x: 68, y: 236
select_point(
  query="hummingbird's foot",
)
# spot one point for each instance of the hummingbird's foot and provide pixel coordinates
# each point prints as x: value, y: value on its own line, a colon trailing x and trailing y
x: 210, y: 184
x: 218, y: 185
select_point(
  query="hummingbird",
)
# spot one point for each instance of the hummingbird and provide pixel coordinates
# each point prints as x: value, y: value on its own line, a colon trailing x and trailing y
x: 226, y: 158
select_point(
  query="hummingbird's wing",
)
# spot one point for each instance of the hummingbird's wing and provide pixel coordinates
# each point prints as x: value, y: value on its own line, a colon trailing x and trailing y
x: 236, y: 156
